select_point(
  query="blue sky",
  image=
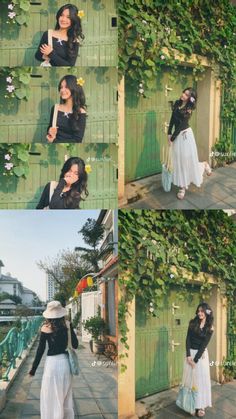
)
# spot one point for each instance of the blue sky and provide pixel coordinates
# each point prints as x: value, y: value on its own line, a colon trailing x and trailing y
x: 29, y: 236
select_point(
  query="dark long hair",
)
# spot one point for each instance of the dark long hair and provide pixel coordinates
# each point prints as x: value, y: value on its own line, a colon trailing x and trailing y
x: 192, y: 101
x: 195, y: 323
x: 74, y: 33
x: 56, y: 324
x: 78, y: 98
x: 79, y: 188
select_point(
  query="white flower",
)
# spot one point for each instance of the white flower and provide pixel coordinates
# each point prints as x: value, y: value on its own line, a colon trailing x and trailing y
x: 151, y: 304
x: 9, y: 79
x: 144, y: 21
x: 7, y: 157
x: 11, y: 15
x: 151, y: 309
x: 172, y: 276
x: 162, y: 57
x: 8, y: 166
x: 11, y: 6
x: 141, y: 91
x: 140, y: 84
x: 154, y: 241
x: 10, y: 89
x: 167, y: 30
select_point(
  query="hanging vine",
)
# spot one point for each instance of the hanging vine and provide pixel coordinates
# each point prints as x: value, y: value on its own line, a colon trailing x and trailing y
x: 150, y: 33
x: 18, y: 11
x: 160, y: 249
x: 14, y: 160
x: 16, y: 82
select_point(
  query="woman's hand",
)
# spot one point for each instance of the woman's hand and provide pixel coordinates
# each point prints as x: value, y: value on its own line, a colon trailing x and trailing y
x: 46, y: 49
x: 190, y: 361
x: 70, y: 178
x: 169, y: 140
x: 52, y: 133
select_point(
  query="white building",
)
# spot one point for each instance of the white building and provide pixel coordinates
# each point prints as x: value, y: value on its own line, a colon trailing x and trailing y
x: 13, y: 286
x: 51, y: 288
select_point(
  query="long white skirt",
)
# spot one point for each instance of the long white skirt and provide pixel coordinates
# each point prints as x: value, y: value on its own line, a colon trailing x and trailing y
x: 202, y: 379
x: 56, y: 400
x: 186, y: 167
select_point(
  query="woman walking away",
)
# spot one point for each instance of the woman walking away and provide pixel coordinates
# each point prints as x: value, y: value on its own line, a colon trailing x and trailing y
x: 56, y: 390
x: 186, y: 167
x: 199, y: 333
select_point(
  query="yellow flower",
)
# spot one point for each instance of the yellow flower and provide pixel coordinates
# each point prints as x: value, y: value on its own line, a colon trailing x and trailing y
x: 81, y: 13
x: 80, y: 81
x: 88, y: 168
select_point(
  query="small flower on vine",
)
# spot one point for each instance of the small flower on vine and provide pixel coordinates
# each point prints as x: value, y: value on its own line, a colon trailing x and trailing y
x: 7, y: 157
x: 141, y: 91
x: 151, y: 309
x: 162, y: 57
x: 10, y: 89
x: 8, y: 166
x: 172, y: 276
x: 144, y: 21
x: 11, y: 15
x: 9, y: 79
x: 10, y: 6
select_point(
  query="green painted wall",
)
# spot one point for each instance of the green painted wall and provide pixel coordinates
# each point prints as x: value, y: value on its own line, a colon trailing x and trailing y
x: 27, y: 121
x: 18, y: 44
x: 45, y: 165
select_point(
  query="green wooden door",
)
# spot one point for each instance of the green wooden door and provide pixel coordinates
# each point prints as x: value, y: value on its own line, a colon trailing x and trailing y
x: 45, y: 165
x: 27, y: 121
x: 147, y: 122
x: 18, y: 44
x: 160, y: 344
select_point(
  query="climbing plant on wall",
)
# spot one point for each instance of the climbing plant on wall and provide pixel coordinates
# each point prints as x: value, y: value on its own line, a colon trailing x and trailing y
x: 15, y: 82
x: 151, y: 32
x: 18, y: 11
x: 14, y: 160
x: 158, y: 249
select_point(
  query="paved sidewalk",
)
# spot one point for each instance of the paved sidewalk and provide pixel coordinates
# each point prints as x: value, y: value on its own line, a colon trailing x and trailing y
x: 94, y: 390
x: 162, y: 405
x: 218, y: 191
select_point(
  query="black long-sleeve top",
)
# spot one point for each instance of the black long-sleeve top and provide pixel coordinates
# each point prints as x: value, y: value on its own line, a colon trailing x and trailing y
x: 65, y: 133
x: 179, y: 120
x: 59, y: 56
x: 57, y: 344
x: 58, y: 198
x: 197, y: 340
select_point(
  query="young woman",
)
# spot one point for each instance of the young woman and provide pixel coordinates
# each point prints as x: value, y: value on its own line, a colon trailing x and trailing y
x: 69, y: 191
x: 199, y: 333
x: 56, y: 389
x: 65, y: 39
x: 186, y: 167
x: 71, y: 113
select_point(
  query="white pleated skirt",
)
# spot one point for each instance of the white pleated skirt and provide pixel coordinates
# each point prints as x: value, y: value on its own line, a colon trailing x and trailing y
x: 203, y: 380
x: 186, y: 167
x: 56, y: 401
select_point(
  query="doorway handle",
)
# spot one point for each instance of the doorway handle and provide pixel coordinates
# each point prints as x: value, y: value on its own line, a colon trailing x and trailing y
x: 174, y: 307
x: 173, y: 344
x: 166, y: 126
x: 167, y: 89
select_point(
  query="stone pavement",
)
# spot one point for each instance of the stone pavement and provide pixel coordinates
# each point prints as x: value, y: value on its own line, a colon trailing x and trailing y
x: 94, y: 390
x: 218, y: 191
x: 162, y: 405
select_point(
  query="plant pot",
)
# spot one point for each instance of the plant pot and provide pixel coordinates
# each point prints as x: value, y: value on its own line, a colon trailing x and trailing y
x: 98, y: 347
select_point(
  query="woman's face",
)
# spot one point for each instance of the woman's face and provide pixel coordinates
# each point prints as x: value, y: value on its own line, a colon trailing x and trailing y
x: 201, y: 314
x: 72, y: 175
x: 64, y: 20
x: 185, y: 96
x: 65, y: 93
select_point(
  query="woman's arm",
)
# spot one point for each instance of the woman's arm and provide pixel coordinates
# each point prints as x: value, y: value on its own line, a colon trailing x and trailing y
x: 44, y: 200
x: 74, y: 339
x: 78, y: 134
x: 56, y: 60
x: 188, y: 342
x: 44, y: 40
x: 203, y: 346
x: 39, y: 353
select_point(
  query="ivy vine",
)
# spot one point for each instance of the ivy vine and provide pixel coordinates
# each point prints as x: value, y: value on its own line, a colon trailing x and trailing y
x: 158, y: 250
x: 14, y: 160
x: 150, y: 33
x: 18, y: 12
x: 17, y: 82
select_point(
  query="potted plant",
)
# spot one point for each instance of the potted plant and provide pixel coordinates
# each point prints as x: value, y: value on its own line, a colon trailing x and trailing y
x: 96, y: 326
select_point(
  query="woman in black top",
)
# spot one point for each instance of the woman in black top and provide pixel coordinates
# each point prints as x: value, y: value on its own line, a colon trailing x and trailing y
x: 65, y: 39
x: 186, y: 167
x: 70, y: 189
x: 71, y: 118
x: 56, y: 389
x: 199, y: 333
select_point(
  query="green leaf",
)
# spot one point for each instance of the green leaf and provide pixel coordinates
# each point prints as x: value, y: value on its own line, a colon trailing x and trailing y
x: 20, y: 93
x: 25, y: 5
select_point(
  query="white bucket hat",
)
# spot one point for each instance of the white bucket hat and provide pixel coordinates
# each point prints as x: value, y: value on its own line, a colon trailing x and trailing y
x: 54, y: 310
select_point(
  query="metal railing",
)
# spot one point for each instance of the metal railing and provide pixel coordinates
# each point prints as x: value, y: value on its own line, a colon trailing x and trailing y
x: 15, y: 342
